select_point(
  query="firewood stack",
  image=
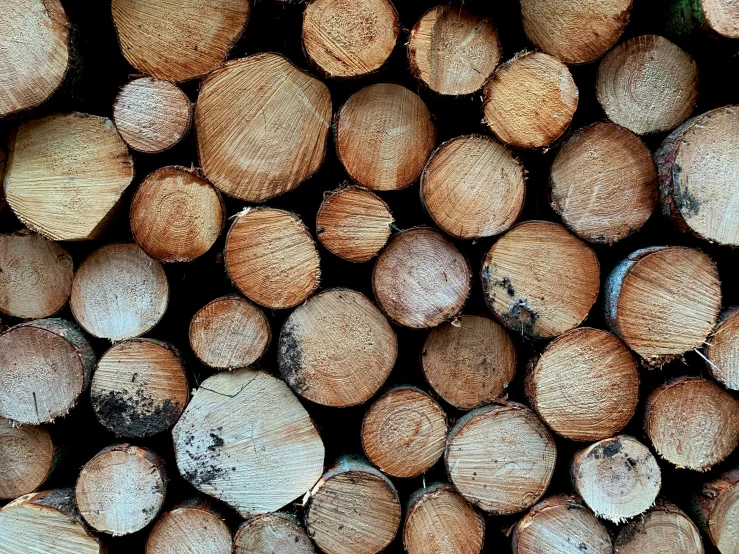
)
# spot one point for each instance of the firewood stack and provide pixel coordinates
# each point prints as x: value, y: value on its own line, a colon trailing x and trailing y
x: 362, y: 276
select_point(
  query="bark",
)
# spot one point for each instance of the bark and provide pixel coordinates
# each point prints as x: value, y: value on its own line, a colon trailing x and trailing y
x: 722, y: 350
x: 28, y: 455
x: 716, y: 506
x: 268, y: 533
x: 664, y: 528
x: 192, y: 527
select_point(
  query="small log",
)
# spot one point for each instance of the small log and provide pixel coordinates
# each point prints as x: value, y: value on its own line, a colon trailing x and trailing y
x: 692, y: 423
x: 603, y: 183
x: 27, y: 456
x: 438, y: 521
x: 354, y: 509
x: 272, y: 533
x: 349, y: 38
x: 584, y: 385
x: 452, y: 51
x: 473, y: 187
x: 229, y: 332
x: 152, y: 115
x: 470, y: 362
x: 158, y: 37
x: 664, y: 528
x: 404, y: 432
x: 530, y: 100
x: 716, y: 506
x: 40, y: 387
x: 500, y: 458
x: 272, y: 258
x: 722, y: 16
x: 618, y: 478
x: 353, y: 223
x: 192, y: 527
x: 384, y: 135
x: 119, y: 292
x: 284, y: 457
x: 121, y: 489
x: 647, y: 84
x: 562, y: 524
x: 35, y: 276
x: 176, y: 215
x: 722, y: 350
x: 663, y: 301
x: 540, y: 280
x: 278, y: 139
x: 85, y: 167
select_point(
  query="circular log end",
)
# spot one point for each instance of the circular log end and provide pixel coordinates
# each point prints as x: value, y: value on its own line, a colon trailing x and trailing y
x: 271, y: 533
x: 722, y: 16
x: 26, y: 456
x: 189, y: 529
x: 722, y: 352
x: 664, y: 528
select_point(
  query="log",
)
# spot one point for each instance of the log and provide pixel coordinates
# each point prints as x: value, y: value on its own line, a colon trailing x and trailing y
x: 384, y: 135
x: 41, y: 387
x: 647, y: 84
x: 584, y: 385
x: 271, y: 257
x: 176, y: 215
x: 3, y: 160
x: 229, y: 332
x: 452, y: 51
x: 152, y: 115
x: 530, y: 100
x: 278, y: 139
x: 438, y: 520
x: 85, y: 168
x: 119, y: 292
x: 285, y: 454
x: 692, y: 423
x: 576, y: 32
x: 139, y: 388
x: 540, y: 280
x: 664, y: 528
x: 404, y: 432
x: 353, y: 223
x: 349, y: 38
x: 27, y: 455
x: 500, y: 458
x: 722, y: 350
x: 420, y: 279
x: 473, y: 187
x: 663, y: 301
x: 618, y: 478
x: 694, y: 166
x: 716, y: 506
x: 159, y: 38
x: 722, y: 16
x: 603, y: 183
x: 353, y: 509
x: 192, y: 527
x: 35, y: 276
x: 469, y: 363
x: 272, y: 533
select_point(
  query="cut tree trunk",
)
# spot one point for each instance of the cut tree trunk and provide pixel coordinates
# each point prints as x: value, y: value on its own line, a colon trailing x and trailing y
x: 192, y: 527
x: 473, y: 187
x: 722, y: 16
x: 278, y: 139
x: 285, y: 454
x: 722, y: 350
x: 530, y: 101
x: 27, y: 455
x: 716, y: 507
x: 540, y: 280
x: 272, y: 533
x: 354, y: 509
x: 35, y: 276
x: 3, y: 161
x: 119, y: 292
x: 85, y: 167
x: 664, y: 528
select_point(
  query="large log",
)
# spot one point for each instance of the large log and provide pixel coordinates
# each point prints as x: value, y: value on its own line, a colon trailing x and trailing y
x: 664, y: 528
x: 722, y: 350
x: 272, y: 533
x: 191, y: 527
x: 716, y: 508
x: 27, y: 455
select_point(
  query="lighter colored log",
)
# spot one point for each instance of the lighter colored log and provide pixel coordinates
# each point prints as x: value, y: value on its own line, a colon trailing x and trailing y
x: 192, y: 527
x: 722, y: 16
x: 272, y: 533
x: 664, y: 529
x: 722, y: 350
x: 27, y: 456
x: 716, y: 507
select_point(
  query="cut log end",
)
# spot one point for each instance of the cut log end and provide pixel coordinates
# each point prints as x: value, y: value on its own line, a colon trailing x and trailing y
x: 191, y: 529
x: 722, y: 16
x: 664, y: 528
x: 722, y: 351
x: 267, y: 533
x: 27, y: 456
x: 716, y: 507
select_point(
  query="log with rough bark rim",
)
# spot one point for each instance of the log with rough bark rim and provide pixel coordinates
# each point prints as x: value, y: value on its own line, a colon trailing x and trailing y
x: 279, y: 138
x: 500, y: 458
x: 192, y: 527
x: 176, y: 215
x: 420, y: 279
x: 473, y: 187
x: 404, y: 432
x: 453, y: 51
x: 272, y: 533
x: 27, y: 455
x: 663, y: 301
x: 349, y: 38
x: 722, y: 350
x: 647, y: 84
x: 716, y: 509
x: 85, y: 167
x: 353, y: 223
x: 384, y: 135
x: 584, y: 385
x: 35, y: 275
x: 353, y: 509
x: 337, y: 349
x: 530, y: 100
x: 540, y: 280
x: 272, y: 258
x: 178, y: 40
x: 603, y: 183
x: 618, y: 478
x: 119, y: 292
x: 664, y: 528
x: 39, y: 388
x: 246, y: 440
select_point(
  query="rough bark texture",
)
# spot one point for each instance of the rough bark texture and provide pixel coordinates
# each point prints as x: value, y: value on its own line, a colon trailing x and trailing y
x: 663, y: 529
x: 722, y: 350
x: 272, y: 533
x: 27, y: 456
x: 716, y: 508
x: 192, y: 527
